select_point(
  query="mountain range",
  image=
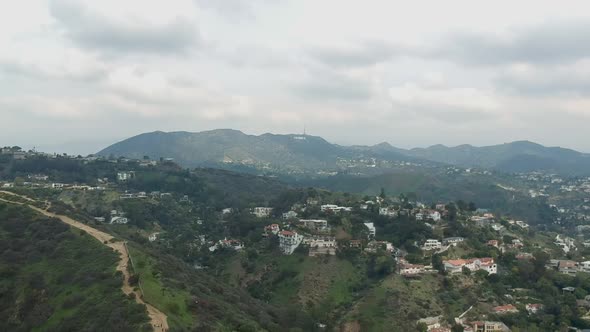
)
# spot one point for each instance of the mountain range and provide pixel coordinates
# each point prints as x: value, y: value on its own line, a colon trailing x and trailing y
x: 311, y: 153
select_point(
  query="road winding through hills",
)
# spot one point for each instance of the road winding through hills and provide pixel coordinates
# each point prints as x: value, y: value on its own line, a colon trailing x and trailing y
x: 158, y: 319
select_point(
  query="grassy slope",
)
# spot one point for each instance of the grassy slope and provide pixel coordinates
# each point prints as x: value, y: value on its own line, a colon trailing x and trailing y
x: 55, y: 279
x: 170, y: 301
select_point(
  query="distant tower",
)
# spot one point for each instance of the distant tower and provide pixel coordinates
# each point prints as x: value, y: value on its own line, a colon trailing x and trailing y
x: 304, y: 129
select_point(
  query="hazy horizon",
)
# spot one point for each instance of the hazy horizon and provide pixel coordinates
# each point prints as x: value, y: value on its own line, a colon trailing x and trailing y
x: 92, y: 147
x: 76, y: 76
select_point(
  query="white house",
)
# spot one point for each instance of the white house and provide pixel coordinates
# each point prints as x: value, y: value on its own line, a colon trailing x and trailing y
x: 153, y: 237
x: 289, y: 241
x: 262, y: 212
x: 315, y: 224
x: 372, y: 230
x: 290, y: 215
x: 432, y: 244
x: 119, y: 220
x: 227, y: 211
x: 322, y: 245
x: 124, y: 176
x: 453, y: 240
x: 434, y: 215
x: 474, y: 264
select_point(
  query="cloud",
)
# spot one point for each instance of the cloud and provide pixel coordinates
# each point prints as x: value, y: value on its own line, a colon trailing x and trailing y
x: 121, y: 32
x: 447, y: 104
x: 549, y: 42
x: 365, y: 53
x: 331, y: 85
x: 568, y: 80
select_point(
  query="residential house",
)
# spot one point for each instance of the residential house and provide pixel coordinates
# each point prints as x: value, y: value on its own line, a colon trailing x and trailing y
x: 497, y: 227
x: 321, y: 245
x: 431, y: 322
x: 355, y: 244
x: 227, y: 243
x: 289, y: 241
x: 153, y: 237
x: 374, y: 246
x: 534, y: 308
x: 584, y: 266
x: 474, y: 264
x: 440, y: 207
x: 318, y: 225
x: 227, y: 211
x: 505, y: 309
x: 388, y: 211
x: 372, y: 230
x: 411, y: 270
x: 335, y: 208
x: 100, y: 219
x: 272, y: 229
x: 262, y: 212
x: 485, y: 326
x: 432, y: 244
x: 119, y: 220
x: 125, y: 176
x: 290, y: 215
x: 434, y: 216
x: 493, y: 243
x: 524, y: 256
x: 567, y: 267
x: 452, y: 241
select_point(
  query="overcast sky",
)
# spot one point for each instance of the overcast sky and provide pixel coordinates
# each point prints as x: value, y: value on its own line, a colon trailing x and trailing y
x: 77, y: 75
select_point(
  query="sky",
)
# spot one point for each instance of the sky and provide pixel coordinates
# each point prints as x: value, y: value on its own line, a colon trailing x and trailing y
x: 79, y: 75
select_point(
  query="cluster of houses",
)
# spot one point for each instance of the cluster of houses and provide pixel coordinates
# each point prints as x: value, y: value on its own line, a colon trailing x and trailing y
x: 566, y: 244
x: 435, y: 324
x: 473, y: 264
x: 433, y: 244
x: 227, y: 243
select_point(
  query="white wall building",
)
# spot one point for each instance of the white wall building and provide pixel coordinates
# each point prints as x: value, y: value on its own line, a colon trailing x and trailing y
x: 289, y: 241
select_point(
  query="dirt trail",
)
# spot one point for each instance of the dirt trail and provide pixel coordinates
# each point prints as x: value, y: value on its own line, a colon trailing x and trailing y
x: 158, y: 319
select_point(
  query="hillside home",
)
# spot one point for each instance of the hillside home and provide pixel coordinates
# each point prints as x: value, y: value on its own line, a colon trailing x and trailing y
x: 321, y: 245
x: 440, y: 207
x: 566, y: 244
x: 432, y: 244
x: 493, y: 243
x: 119, y: 220
x: 473, y: 264
x: 372, y: 230
x: 262, y: 212
x: 485, y: 326
x: 335, y: 208
x: 452, y: 241
x: 567, y: 267
x: 434, y: 216
x: 153, y: 237
x: 355, y: 244
x: 100, y: 219
x: 410, y: 270
x: 227, y: 211
x: 290, y: 215
x: 388, y: 212
x: 125, y: 176
x: 272, y: 229
x: 374, y: 246
x: 289, y: 241
x: 318, y: 225
x: 505, y: 309
x: 534, y: 308
x: 584, y: 266
x: 431, y: 322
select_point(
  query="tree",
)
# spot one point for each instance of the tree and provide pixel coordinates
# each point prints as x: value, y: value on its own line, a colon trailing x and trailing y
x: 466, y: 271
x: 382, y: 193
x: 472, y: 207
x: 421, y: 327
